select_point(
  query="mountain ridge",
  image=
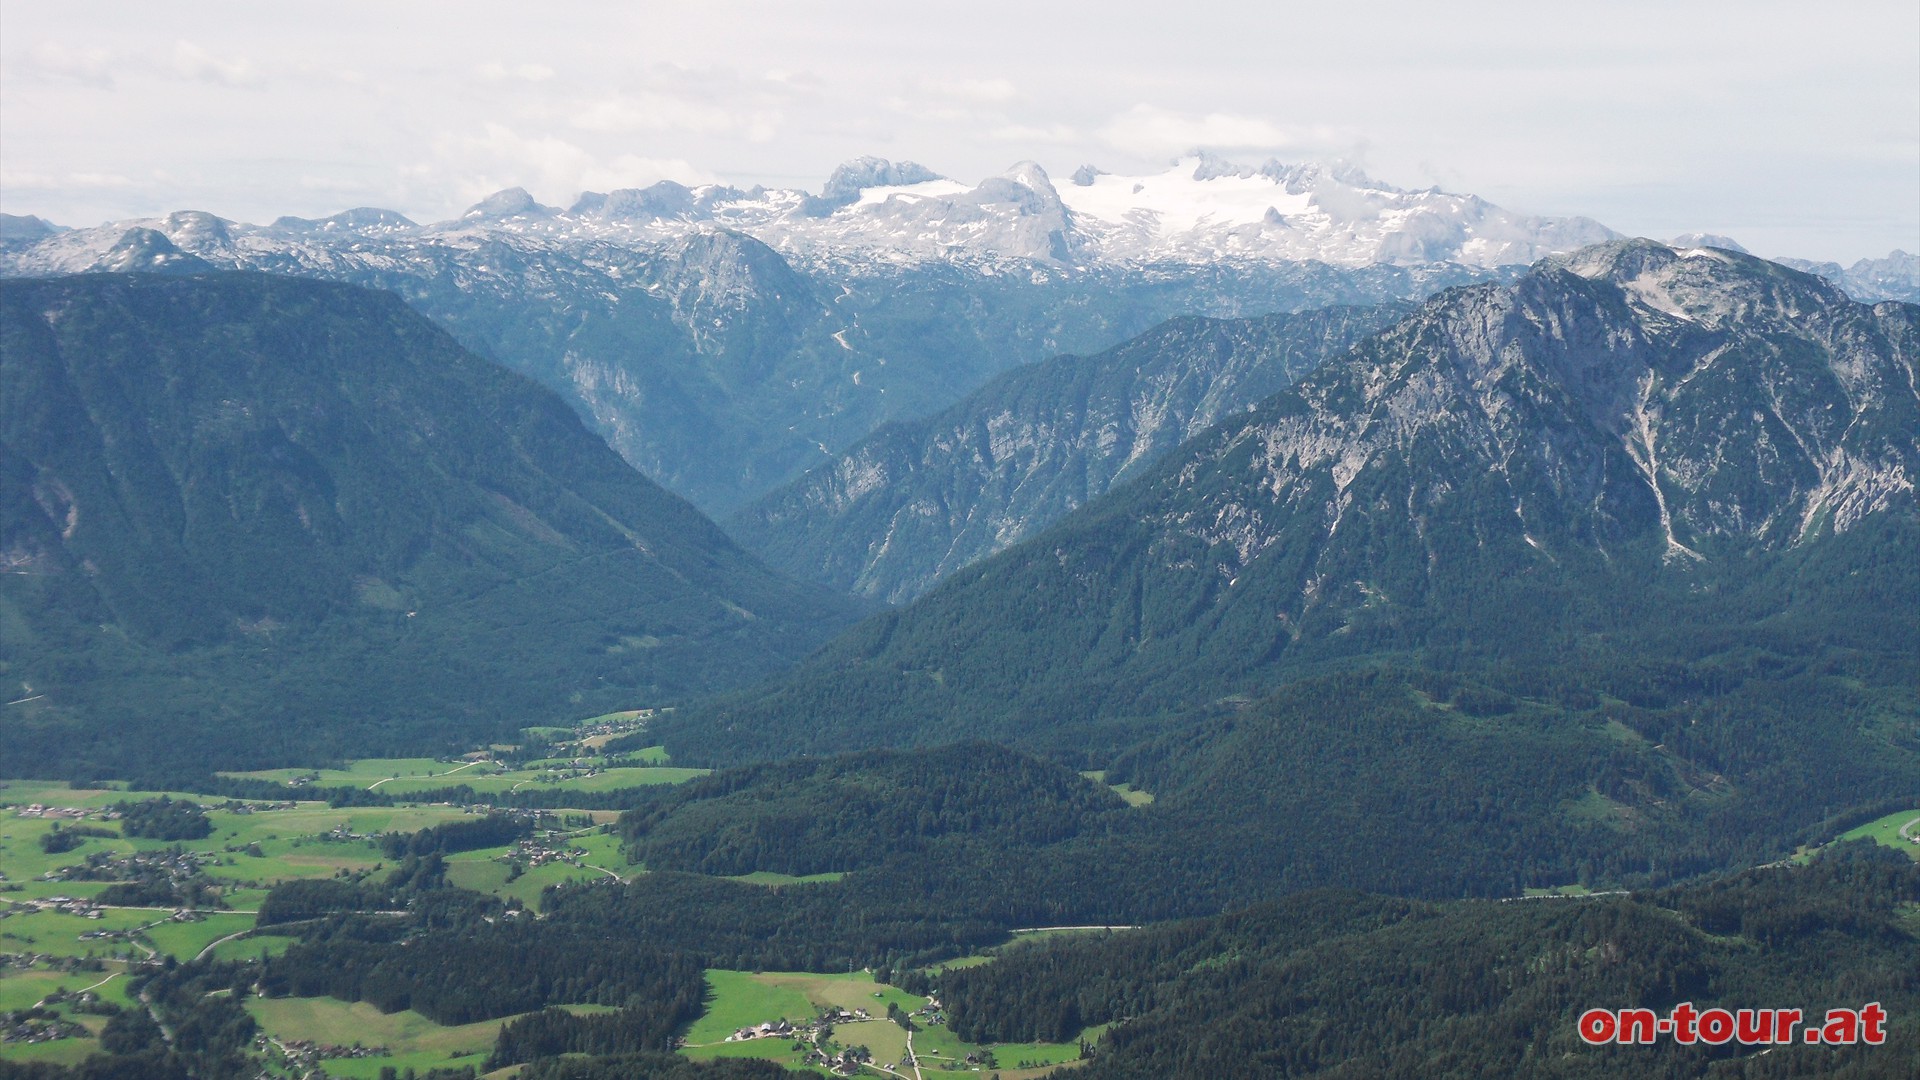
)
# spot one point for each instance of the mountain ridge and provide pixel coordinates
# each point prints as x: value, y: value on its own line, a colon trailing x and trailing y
x: 1510, y: 471
x: 269, y: 491
x: 919, y: 499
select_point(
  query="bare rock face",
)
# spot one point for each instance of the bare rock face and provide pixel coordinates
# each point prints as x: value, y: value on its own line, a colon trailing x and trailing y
x: 917, y: 501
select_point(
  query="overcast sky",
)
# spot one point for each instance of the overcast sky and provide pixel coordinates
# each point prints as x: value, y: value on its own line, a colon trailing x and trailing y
x: 1793, y: 127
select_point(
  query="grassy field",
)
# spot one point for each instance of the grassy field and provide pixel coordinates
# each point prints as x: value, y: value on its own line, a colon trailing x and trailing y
x: 371, y: 771
x: 936, y: 1043
x: 740, y: 999
x: 251, y: 948
x: 416, y: 1042
x: 58, y: 934
x: 23, y: 989
x: 1125, y: 791
x: 407, y: 1033
x: 185, y: 940
x: 57, y: 1052
x: 291, y: 841
x: 737, y: 999
x: 476, y: 870
x: 779, y: 1051
x: 500, y: 783
x: 768, y: 877
x: 1886, y: 831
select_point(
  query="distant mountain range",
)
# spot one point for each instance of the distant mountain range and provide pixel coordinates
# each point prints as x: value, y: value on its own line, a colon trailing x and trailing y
x: 248, y: 518
x: 1202, y: 209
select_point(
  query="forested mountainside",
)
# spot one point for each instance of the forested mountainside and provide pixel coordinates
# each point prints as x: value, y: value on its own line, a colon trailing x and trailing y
x: 714, y: 363
x: 1339, y: 984
x: 249, y: 518
x: 1646, y: 507
x: 918, y: 500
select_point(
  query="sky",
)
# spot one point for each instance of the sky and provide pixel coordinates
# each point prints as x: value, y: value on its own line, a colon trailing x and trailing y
x: 1792, y: 127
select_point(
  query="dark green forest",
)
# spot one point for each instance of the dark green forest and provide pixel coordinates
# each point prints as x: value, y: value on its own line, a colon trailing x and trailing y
x: 262, y: 520
x: 1342, y: 984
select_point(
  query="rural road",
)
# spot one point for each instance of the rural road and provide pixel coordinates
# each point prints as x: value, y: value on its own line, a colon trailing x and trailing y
x: 102, y: 982
x: 212, y: 945
x: 429, y: 776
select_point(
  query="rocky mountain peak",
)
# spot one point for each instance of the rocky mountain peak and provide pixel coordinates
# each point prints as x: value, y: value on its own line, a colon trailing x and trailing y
x: 25, y: 229
x: 149, y: 251
x: 853, y: 177
x: 511, y: 203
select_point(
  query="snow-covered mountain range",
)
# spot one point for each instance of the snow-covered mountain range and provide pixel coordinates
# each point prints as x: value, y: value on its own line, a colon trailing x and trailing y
x: 1200, y: 209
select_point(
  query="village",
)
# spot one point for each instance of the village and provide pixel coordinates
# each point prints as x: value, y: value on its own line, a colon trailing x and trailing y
x: 814, y: 1038
x: 305, y: 1055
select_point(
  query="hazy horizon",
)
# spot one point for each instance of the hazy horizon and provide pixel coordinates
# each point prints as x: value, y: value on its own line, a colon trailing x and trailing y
x: 1795, y: 131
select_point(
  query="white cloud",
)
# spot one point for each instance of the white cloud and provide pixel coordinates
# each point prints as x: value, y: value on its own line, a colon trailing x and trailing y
x: 554, y: 169
x: 533, y: 73
x: 190, y: 61
x: 38, y: 181
x: 1028, y: 133
x: 650, y: 111
x: 1150, y: 131
x: 92, y: 67
x: 987, y: 91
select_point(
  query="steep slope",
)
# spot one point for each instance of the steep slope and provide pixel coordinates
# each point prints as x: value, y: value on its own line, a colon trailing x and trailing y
x: 712, y: 362
x: 918, y: 500
x: 1637, y: 479
x: 251, y: 518
x: 726, y: 341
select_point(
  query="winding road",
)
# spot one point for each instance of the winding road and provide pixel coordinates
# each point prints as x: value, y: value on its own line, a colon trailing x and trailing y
x: 429, y: 776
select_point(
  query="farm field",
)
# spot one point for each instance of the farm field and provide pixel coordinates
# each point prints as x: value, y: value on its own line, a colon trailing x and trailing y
x: 370, y: 771
x: 252, y: 947
x: 57, y: 1052
x: 414, y: 1041
x: 740, y: 999
x: 255, y: 845
x: 503, y: 782
x: 24, y: 989
x: 186, y: 940
x: 55, y: 933
x: 1886, y: 831
x: 478, y: 871
x: 737, y: 999
x: 404, y: 776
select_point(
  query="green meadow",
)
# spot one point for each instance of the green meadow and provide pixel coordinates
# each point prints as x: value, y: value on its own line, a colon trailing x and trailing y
x: 738, y: 999
x: 414, y: 1041
x: 1887, y: 830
